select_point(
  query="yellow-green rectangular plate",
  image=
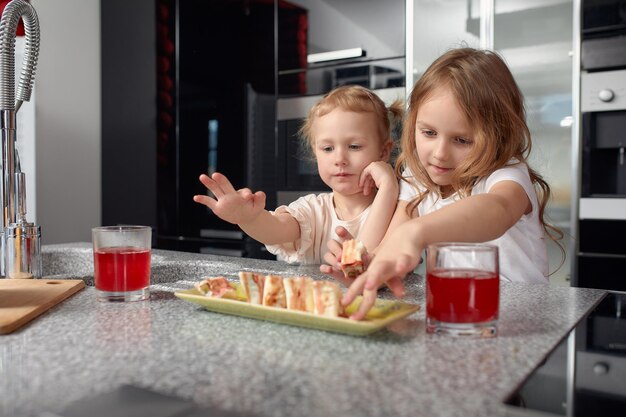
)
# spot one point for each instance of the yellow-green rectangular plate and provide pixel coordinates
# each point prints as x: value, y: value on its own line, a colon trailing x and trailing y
x: 383, y: 313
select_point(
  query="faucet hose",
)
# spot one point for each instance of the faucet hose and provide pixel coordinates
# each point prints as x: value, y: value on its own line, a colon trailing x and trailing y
x: 15, y: 10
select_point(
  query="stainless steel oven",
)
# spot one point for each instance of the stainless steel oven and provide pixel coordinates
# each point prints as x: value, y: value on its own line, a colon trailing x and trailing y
x: 601, y: 247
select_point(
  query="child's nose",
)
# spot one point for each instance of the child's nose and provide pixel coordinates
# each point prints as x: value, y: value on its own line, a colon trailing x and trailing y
x: 441, y: 149
x: 340, y: 157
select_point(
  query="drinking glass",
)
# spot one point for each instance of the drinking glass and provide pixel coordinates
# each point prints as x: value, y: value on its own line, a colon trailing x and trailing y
x: 121, y: 256
x: 462, y: 289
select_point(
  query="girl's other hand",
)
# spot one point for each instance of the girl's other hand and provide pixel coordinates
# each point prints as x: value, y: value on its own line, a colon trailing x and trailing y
x: 333, y: 257
x: 234, y: 206
x: 377, y: 174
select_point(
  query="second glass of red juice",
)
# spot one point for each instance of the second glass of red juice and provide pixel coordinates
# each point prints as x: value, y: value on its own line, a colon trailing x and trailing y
x: 121, y: 256
x: 462, y: 289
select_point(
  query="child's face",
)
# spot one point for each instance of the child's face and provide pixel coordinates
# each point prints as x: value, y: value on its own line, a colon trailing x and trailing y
x: 345, y: 143
x: 442, y: 137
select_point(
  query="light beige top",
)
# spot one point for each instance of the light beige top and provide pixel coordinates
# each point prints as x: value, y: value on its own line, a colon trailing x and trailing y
x: 318, y: 220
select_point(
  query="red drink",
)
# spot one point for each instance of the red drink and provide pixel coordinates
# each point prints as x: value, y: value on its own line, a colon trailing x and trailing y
x: 122, y: 269
x: 462, y: 295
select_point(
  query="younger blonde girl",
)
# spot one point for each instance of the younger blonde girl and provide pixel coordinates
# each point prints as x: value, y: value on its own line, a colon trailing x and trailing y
x: 349, y: 133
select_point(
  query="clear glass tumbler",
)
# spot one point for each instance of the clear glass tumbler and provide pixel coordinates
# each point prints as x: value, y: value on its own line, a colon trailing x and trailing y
x: 121, y: 256
x: 462, y: 289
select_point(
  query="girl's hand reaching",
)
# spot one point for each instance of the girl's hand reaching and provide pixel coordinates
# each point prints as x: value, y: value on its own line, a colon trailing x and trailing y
x: 234, y: 206
x: 333, y: 257
x: 395, y: 258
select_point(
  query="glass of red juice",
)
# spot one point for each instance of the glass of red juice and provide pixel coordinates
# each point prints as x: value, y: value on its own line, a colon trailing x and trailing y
x: 121, y: 257
x: 462, y: 289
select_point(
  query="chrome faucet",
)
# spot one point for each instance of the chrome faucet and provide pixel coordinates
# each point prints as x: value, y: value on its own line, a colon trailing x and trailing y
x: 21, y: 256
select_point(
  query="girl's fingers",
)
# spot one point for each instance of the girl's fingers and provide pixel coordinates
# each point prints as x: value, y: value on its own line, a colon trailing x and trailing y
x: 223, y: 183
x: 330, y: 259
x: 211, y: 185
x: 206, y: 200
x: 259, y: 199
x: 343, y: 233
x: 364, y: 175
x: 396, y: 286
x: 354, y: 289
x: 337, y: 274
x: 368, y: 283
x: 334, y: 247
x: 367, y: 186
x: 369, y: 298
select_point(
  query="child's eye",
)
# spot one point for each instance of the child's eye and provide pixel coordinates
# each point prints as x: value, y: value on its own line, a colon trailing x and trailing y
x: 464, y: 141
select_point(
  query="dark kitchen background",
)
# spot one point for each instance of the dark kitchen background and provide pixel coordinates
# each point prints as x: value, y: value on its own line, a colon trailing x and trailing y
x: 192, y: 86
x: 230, y: 83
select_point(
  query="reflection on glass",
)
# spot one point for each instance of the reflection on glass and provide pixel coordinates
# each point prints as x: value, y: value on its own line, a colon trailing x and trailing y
x: 308, y: 27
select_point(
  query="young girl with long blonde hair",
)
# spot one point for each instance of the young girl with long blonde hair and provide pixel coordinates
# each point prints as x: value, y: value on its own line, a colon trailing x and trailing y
x: 465, y: 175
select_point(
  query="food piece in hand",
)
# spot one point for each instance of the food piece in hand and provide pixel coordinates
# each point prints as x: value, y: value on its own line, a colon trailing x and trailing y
x: 216, y: 287
x: 252, y: 284
x: 327, y: 299
x: 299, y: 293
x: 352, y: 256
x: 274, y: 292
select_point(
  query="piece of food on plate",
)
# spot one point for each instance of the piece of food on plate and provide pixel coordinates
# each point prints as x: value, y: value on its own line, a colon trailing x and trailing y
x: 274, y: 292
x: 216, y: 287
x: 299, y: 293
x: 327, y: 299
x: 252, y: 284
x: 352, y: 256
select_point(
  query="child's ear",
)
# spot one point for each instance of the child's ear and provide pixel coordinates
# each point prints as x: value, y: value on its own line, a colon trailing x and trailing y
x: 385, y: 153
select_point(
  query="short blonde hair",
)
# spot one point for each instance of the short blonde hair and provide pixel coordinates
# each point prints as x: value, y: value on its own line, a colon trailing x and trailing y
x: 357, y: 99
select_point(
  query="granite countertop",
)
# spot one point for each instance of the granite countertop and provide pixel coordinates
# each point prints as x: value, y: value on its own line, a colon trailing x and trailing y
x: 82, y: 348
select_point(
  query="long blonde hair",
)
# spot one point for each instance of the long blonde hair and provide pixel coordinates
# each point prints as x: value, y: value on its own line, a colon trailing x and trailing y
x: 356, y: 99
x: 493, y: 105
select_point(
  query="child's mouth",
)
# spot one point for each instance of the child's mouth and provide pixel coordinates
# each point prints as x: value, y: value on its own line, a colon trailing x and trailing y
x: 440, y: 170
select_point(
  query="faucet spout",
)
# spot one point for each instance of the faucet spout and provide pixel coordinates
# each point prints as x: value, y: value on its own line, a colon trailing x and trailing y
x: 10, y: 102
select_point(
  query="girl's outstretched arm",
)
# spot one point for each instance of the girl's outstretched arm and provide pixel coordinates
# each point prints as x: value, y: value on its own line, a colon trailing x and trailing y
x: 478, y: 218
x: 247, y: 210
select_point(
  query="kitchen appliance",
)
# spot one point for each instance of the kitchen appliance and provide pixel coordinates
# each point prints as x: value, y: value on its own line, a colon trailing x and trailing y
x: 601, y: 255
x: 584, y: 375
x: 369, y: 76
x: 603, y: 44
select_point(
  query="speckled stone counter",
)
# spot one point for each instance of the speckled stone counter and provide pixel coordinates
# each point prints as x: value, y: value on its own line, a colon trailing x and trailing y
x: 82, y: 348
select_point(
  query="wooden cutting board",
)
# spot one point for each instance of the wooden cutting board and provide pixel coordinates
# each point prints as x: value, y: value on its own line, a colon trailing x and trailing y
x: 21, y: 300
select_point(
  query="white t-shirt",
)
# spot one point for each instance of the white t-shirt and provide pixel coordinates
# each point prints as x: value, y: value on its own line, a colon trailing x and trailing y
x: 523, y: 251
x: 317, y: 219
